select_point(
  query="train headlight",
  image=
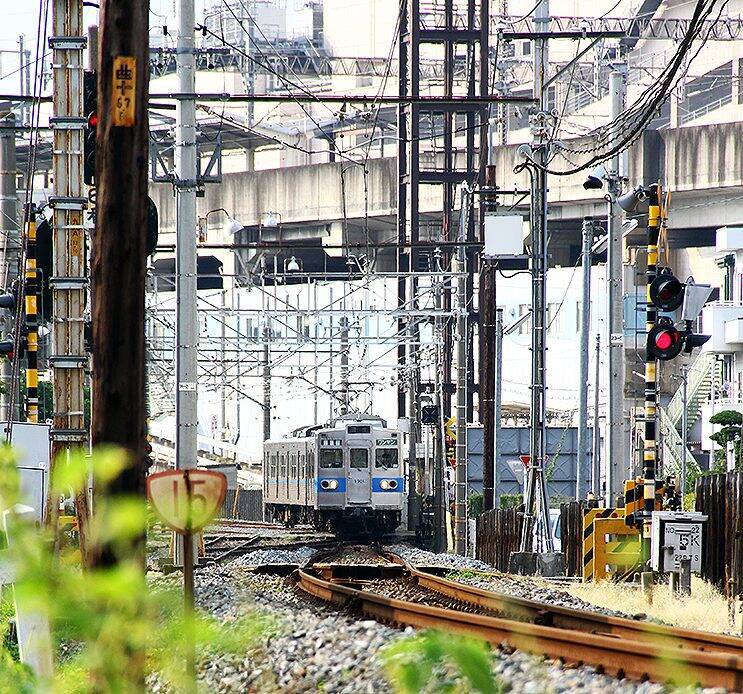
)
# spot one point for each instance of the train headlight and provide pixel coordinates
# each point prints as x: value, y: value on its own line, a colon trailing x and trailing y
x: 329, y: 484
x: 388, y: 485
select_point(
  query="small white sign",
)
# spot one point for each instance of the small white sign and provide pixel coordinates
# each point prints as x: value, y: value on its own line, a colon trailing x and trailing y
x: 187, y: 387
x: 617, y: 339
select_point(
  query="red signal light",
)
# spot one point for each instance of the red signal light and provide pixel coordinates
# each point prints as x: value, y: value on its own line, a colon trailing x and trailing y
x: 93, y: 120
x: 664, y: 341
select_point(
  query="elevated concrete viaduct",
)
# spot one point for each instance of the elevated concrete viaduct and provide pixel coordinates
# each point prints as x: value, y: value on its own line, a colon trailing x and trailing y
x: 702, y: 166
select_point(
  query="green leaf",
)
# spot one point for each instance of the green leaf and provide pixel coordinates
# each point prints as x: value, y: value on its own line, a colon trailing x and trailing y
x: 70, y: 474
x: 108, y: 463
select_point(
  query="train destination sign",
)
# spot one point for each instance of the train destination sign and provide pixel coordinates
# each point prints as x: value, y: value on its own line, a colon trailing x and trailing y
x: 186, y: 500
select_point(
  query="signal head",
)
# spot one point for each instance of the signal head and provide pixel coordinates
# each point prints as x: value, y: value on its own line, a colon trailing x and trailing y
x: 664, y: 340
x: 666, y: 292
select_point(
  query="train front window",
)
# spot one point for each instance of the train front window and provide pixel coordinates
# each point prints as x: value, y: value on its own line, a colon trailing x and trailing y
x: 359, y: 458
x: 331, y: 458
x: 386, y: 458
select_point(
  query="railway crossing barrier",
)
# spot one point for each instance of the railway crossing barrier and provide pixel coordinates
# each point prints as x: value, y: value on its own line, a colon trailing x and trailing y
x: 612, y: 546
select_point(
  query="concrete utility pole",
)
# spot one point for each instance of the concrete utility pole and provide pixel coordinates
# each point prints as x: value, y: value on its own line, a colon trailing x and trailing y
x: 439, y: 490
x: 119, y: 262
x: 345, y: 401
x: 460, y: 506
x: 267, y: 382
x: 186, y: 316
x: 412, y: 403
x: 615, y: 417
x: 536, y: 501
x: 684, y: 428
x: 69, y: 281
x: 585, y: 327
x: 10, y: 243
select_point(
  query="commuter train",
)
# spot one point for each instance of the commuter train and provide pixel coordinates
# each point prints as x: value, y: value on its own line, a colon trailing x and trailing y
x: 346, y: 477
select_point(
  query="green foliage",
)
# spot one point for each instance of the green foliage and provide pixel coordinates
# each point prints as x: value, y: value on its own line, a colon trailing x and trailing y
x: 727, y: 418
x: 511, y: 500
x: 437, y: 662
x: 116, y: 628
x: 474, y: 504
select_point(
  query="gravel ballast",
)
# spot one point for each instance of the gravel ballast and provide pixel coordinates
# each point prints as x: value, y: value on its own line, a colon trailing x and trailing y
x: 314, y: 647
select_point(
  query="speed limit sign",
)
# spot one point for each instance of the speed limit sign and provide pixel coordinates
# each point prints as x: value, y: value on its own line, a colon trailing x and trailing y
x: 186, y: 500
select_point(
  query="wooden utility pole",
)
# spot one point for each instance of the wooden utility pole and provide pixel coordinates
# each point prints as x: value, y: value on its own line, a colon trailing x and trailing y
x: 487, y: 380
x: 118, y: 258
x: 69, y: 282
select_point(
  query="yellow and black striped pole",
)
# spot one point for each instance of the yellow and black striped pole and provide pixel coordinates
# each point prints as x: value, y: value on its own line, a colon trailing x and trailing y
x: 32, y: 324
x: 650, y: 448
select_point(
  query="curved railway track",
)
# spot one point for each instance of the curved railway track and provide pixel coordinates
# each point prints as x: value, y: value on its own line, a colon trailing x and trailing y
x: 619, y: 647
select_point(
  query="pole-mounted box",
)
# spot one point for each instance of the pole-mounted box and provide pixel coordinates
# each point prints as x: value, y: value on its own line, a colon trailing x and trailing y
x: 676, y: 536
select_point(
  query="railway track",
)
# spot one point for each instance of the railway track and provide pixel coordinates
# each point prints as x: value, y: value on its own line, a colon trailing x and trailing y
x: 615, y: 646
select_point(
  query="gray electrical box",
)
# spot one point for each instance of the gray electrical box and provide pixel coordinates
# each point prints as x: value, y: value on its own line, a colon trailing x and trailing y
x: 31, y: 443
x: 676, y: 536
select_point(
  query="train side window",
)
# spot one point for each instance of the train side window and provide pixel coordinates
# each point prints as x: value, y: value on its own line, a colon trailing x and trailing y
x: 386, y: 458
x: 359, y: 458
x: 331, y: 458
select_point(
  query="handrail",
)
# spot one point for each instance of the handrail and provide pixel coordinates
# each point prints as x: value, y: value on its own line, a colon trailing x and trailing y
x: 673, y: 446
x: 700, y: 372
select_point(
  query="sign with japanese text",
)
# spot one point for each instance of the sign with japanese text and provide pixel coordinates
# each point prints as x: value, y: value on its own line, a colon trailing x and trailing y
x: 124, y: 99
x: 186, y: 500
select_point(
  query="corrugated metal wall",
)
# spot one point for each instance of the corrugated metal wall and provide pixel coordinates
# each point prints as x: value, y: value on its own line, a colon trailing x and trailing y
x: 562, y: 446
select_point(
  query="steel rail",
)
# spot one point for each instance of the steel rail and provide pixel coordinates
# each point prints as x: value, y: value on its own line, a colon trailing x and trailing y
x: 620, y: 657
x: 580, y: 620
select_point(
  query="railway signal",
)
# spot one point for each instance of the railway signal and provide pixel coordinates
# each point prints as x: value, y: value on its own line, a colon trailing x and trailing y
x: 90, y: 110
x: 664, y: 340
x: 667, y: 293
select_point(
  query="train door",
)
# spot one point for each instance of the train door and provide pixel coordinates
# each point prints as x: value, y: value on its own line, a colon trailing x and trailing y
x: 359, y: 474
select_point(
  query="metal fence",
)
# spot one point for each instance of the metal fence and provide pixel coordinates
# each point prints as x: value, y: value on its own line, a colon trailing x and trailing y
x: 720, y: 497
x: 498, y: 534
x: 243, y: 504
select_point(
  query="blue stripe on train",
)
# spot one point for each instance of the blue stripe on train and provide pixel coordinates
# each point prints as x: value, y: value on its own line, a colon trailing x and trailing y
x: 340, y: 488
x: 377, y: 481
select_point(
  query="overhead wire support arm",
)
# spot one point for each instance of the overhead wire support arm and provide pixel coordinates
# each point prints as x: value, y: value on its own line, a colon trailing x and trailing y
x: 455, y: 103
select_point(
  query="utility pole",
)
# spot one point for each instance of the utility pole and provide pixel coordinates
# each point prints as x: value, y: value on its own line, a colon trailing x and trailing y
x: 615, y: 417
x: 10, y: 244
x: 118, y: 270
x: 460, y: 265
x: 585, y: 326
x: 69, y: 282
x: 487, y: 378
x: 267, y: 382
x: 537, y: 502
x: 439, y: 490
x: 684, y: 429
x: 186, y: 317
x: 498, y: 400
x: 412, y: 402
x: 596, y: 457
x: 344, y: 362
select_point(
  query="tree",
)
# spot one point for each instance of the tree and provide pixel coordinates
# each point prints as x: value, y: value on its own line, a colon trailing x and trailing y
x: 731, y: 432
